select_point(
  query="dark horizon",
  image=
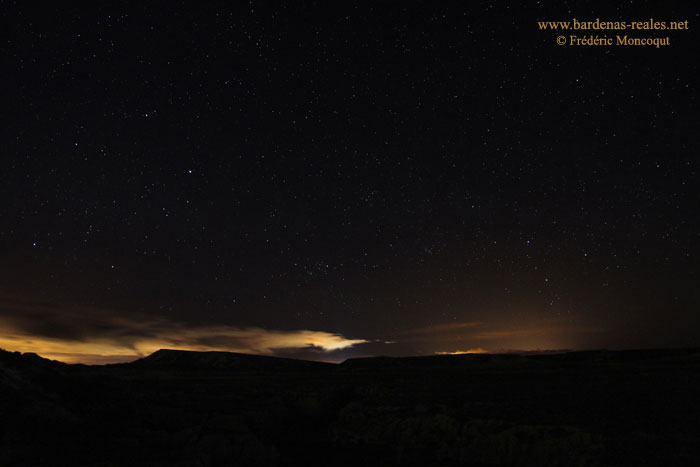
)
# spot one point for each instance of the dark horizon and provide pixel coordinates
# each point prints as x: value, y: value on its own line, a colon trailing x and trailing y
x: 315, y: 357
x: 436, y: 357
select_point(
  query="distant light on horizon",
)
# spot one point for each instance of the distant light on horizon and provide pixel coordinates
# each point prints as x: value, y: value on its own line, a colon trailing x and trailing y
x: 462, y: 352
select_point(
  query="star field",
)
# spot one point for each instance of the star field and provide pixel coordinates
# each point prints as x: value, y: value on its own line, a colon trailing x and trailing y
x: 366, y: 170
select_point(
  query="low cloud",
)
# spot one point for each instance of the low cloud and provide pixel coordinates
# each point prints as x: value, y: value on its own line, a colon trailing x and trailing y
x: 88, y: 335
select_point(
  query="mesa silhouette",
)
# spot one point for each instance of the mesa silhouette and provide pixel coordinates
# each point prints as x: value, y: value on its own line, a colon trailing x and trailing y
x: 191, y: 360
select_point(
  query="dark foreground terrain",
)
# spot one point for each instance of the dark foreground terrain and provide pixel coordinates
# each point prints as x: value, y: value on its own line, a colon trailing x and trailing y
x: 215, y: 409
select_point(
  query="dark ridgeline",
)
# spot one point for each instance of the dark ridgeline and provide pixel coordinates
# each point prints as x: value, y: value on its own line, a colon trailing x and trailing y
x: 216, y: 408
x: 166, y: 359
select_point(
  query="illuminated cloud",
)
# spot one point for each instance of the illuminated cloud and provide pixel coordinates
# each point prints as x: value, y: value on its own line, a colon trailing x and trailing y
x: 80, y: 334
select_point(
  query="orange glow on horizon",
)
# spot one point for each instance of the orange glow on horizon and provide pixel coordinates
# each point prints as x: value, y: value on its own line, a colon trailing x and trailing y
x: 463, y: 352
x: 107, y: 349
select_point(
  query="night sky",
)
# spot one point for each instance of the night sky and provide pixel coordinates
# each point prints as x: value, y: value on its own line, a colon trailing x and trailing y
x: 325, y: 181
